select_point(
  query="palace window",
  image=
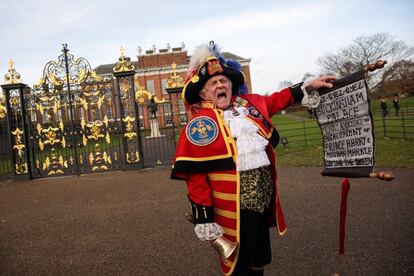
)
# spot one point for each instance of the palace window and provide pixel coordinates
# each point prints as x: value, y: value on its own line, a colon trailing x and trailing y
x: 150, y: 87
x: 167, y: 114
x: 163, y: 84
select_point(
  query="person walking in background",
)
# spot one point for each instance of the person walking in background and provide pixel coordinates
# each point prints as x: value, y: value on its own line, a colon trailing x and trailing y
x: 396, y: 104
x: 384, y: 108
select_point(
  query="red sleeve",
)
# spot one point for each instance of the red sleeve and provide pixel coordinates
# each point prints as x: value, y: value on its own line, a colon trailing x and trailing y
x: 278, y: 101
x: 198, y: 189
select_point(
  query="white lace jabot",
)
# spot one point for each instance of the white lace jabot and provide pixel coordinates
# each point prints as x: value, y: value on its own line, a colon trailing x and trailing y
x: 251, y: 146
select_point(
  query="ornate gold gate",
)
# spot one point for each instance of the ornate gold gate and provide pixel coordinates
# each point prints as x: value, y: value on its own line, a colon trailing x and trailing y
x: 73, y: 122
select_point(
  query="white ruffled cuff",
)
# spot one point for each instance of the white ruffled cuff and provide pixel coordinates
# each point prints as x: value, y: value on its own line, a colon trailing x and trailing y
x: 208, y: 231
x: 312, y: 99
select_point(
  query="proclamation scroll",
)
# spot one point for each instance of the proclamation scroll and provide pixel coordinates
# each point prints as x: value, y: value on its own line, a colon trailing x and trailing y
x: 345, y: 120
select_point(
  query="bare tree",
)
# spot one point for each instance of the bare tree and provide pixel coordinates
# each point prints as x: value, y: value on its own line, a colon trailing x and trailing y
x: 398, y: 79
x: 364, y: 50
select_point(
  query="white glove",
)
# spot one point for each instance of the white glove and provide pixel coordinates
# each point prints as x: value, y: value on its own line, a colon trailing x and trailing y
x: 208, y: 231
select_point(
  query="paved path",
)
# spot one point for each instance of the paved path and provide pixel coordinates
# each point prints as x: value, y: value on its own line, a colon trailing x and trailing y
x: 132, y: 223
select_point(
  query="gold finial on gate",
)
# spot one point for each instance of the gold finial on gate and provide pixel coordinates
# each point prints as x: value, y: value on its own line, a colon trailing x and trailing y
x: 122, y: 52
x: 124, y: 63
x: 175, y: 81
x: 12, y: 77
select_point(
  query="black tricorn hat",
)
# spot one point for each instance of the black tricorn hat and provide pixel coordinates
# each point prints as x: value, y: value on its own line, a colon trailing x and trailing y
x: 210, y: 67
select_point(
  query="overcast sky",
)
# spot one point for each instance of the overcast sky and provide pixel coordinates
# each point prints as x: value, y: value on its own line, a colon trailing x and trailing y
x: 283, y: 39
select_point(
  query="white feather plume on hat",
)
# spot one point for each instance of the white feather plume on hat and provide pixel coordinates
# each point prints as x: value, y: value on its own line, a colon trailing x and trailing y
x: 200, y: 55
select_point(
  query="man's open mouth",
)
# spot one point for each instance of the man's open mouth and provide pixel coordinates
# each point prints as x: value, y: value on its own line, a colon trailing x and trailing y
x: 221, y: 96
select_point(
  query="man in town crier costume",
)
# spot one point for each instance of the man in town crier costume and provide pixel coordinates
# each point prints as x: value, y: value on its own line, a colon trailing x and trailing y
x: 226, y: 156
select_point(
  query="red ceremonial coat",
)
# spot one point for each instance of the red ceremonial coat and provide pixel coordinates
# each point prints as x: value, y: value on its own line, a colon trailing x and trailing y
x: 206, y: 158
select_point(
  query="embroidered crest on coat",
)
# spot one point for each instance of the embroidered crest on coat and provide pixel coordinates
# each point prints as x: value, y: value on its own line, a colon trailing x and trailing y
x: 202, y: 131
x: 254, y: 112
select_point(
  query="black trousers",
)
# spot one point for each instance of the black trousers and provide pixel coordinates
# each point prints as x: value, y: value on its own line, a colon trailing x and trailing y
x: 255, y: 248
